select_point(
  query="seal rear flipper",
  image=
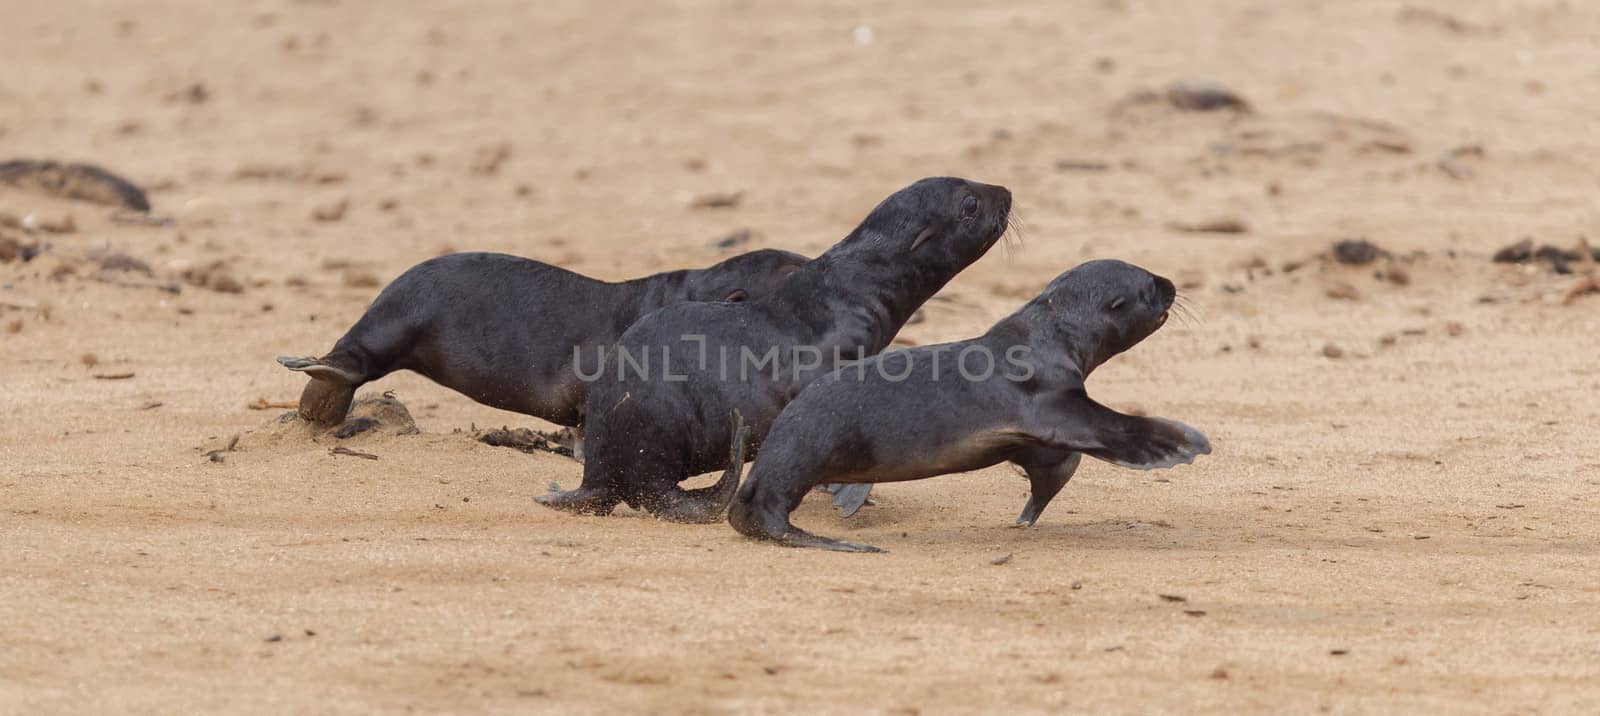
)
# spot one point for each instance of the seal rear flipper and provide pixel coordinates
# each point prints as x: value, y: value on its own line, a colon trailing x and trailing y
x: 320, y: 369
x: 326, y: 402
x: 710, y: 504
x: 1125, y: 440
x: 1045, y: 481
x: 796, y: 537
x: 760, y: 514
x: 582, y: 501
x: 849, y: 498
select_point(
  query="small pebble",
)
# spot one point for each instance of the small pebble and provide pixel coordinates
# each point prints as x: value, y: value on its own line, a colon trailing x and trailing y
x: 361, y: 279
x: 1342, y: 291
x: 1355, y: 252
x: 332, y: 212
x: 1204, y: 96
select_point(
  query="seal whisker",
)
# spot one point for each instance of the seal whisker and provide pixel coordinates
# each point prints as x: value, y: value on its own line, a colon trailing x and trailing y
x: 1183, y: 299
x: 1015, y: 231
x: 1181, y: 306
x: 1181, y: 312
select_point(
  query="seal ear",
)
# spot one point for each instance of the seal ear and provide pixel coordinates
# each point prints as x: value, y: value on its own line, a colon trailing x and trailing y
x: 736, y: 295
x: 926, y: 234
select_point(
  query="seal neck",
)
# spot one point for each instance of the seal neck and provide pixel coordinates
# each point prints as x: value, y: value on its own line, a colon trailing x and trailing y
x: 1057, y: 349
x: 857, y: 295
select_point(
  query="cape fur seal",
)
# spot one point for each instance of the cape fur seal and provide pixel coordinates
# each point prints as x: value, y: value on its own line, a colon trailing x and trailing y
x: 1015, y: 394
x: 666, y: 416
x: 505, y: 331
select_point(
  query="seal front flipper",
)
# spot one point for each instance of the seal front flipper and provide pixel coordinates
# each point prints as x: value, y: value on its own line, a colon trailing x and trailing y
x: 709, y: 504
x: 1125, y: 440
x: 849, y: 498
x: 320, y: 369
x: 1046, y: 480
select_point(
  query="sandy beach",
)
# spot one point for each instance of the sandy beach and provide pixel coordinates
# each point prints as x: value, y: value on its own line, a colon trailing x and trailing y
x: 1400, y: 514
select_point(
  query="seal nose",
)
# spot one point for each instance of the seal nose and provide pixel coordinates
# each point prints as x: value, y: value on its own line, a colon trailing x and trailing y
x: 1168, y: 292
x: 1002, y: 199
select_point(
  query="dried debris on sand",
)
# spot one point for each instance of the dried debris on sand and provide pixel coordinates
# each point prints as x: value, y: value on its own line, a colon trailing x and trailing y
x: 264, y: 404
x: 215, y: 276
x: 1357, y: 252
x: 380, y: 412
x: 1224, y: 225
x: 1558, y: 259
x: 370, y: 414
x: 1585, y: 286
x: 15, y: 249
x: 341, y: 450
x: 528, y: 440
x: 720, y: 200
x: 1204, y: 96
x: 82, y: 182
x: 1188, y: 96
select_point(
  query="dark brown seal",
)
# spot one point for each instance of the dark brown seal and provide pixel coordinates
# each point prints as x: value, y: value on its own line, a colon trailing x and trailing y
x: 660, y: 412
x: 1015, y: 394
x: 506, y: 331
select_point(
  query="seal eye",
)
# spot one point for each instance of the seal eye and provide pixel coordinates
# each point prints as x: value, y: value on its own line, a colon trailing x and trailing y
x: 1116, y: 303
x: 736, y: 296
x: 969, y: 207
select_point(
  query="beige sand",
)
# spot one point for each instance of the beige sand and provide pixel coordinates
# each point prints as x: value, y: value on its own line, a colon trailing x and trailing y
x: 1410, y: 527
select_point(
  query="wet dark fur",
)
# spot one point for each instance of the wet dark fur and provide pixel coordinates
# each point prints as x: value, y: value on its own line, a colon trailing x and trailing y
x: 861, y: 424
x: 502, y: 330
x: 647, y: 435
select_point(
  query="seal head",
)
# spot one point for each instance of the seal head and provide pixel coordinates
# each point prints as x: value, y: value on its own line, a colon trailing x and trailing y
x: 1102, y: 308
